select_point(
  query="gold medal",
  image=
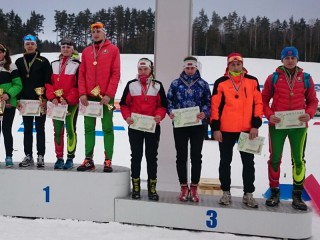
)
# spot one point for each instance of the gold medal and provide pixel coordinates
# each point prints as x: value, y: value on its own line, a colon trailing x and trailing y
x: 291, y: 93
x: 27, y: 76
x: 95, y: 63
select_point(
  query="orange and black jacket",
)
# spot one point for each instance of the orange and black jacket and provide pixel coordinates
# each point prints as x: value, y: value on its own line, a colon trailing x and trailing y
x: 233, y: 111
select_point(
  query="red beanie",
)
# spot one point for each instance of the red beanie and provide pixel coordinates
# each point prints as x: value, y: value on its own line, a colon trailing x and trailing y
x: 234, y: 57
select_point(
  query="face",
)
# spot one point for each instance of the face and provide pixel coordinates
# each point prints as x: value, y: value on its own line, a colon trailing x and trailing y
x: 190, y: 71
x: 290, y: 62
x: 30, y: 47
x: 2, y: 54
x: 235, y: 66
x: 66, y: 50
x: 144, y: 71
x: 97, y: 35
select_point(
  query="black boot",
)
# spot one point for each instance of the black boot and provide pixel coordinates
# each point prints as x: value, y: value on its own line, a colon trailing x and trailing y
x: 274, y: 198
x: 297, y: 202
x: 135, y: 188
x: 152, y: 193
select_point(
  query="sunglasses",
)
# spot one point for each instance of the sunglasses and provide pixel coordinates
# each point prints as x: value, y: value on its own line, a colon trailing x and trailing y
x: 30, y: 38
x: 96, y: 25
x: 235, y: 58
x: 189, y: 68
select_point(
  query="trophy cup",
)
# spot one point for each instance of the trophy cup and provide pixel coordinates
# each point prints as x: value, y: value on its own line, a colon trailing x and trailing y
x: 40, y: 91
x: 96, y: 92
x: 59, y: 94
x: 2, y: 103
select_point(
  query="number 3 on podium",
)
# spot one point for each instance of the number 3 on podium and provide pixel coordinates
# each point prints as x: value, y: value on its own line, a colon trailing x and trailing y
x: 212, y: 223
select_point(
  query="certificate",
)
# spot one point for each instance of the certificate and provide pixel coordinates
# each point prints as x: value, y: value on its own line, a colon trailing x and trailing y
x: 29, y: 107
x: 250, y: 146
x: 143, y: 123
x: 186, y: 117
x: 94, y: 109
x: 290, y: 119
x: 57, y: 112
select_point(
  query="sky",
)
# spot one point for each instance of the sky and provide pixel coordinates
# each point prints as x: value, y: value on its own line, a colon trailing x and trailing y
x: 52, y: 229
x: 273, y: 9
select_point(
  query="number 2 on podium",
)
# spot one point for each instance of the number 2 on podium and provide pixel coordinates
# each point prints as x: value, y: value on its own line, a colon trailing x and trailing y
x: 47, y: 192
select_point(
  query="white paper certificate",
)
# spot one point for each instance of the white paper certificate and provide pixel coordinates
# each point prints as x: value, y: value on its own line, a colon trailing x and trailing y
x: 290, y: 119
x: 94, y: 109
x: 250, y: 146
x: 29, y: 107
x: 143, y: 123
x: 186, y: 117
x: 57, y: 112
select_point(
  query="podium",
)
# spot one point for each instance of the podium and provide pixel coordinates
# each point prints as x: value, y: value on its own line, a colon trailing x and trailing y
x: 208, y: 215
x: 103, y: 197
x: 64, y: 194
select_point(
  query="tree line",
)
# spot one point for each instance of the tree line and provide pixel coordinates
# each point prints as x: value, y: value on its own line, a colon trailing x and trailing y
x: 133, y: 30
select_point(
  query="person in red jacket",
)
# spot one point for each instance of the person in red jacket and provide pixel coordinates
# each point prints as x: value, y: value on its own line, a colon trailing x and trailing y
x: 144, y: 95
x: 236, y: 106
x: 63, y: 89
x: 289, y: 93
x: 99, y: 69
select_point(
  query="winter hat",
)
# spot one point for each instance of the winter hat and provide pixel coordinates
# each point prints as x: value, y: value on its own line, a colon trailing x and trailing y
x: 232, y: 57
x: 190, y: 62
x: 289, y: 51
x: 3, y: 48
x: 98, y: 25
x: 30, y: 38
x: 67, y: 41
x: 143, y: 62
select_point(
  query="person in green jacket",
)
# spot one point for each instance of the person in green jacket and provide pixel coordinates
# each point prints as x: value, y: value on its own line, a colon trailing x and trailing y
x: 10, y: 86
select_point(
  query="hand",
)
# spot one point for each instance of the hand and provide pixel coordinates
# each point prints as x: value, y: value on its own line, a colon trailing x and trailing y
x: 63, y: 101
x: 19, y: 106
x: 217, y: 135
x: 129, y: 120
x: 201, y: 116
x: 273, y: 119
x: 105, y: 100
x: 84, y: 100
x: 304, y: 117
x: 55, y: 101
x: 171, y: 115
x: 157, y: 119
x: 253, y: 133
x: 5, y: 97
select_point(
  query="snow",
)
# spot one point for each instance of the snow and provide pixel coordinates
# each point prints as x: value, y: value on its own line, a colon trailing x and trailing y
x: 212, y: 68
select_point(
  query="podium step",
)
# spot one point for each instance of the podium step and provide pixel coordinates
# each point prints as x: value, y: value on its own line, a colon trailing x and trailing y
x: 64, y: 194
x: 209, y: 215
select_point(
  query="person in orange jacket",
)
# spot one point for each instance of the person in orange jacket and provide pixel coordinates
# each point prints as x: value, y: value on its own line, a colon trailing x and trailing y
x: 236, y: 106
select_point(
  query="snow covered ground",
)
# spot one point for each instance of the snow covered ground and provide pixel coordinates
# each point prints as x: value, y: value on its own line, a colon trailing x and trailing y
x: 212, y: 68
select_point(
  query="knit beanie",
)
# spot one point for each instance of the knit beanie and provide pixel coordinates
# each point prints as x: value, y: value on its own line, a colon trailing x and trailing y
x: 67, y: 41
x: 289, y: 51
x: 234, y: 57
x: 98, y: 25
x: 30, y: 38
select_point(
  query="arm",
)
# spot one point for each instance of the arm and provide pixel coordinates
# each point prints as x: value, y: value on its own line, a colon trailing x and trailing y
x: 125, y: 103
x: 266, y: 97
x: 162, y: 104
x: 114, y: 75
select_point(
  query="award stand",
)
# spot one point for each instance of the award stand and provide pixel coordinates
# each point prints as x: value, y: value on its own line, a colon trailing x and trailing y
x: 63, y: 194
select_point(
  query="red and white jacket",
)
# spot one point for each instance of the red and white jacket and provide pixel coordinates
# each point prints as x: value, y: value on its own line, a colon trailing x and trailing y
x: 67, y: 80
x: 103, y: 71
x: 153, y: 103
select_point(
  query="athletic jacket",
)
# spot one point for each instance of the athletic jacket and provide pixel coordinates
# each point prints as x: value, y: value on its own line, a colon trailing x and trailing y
x: 230, y: 113
x: 10, y: 82
x: 134, y: 101
x: 67, y: 80
x: 302, y: 98
x: 40, y: 74
x: 106, y: 73
x: 179, y: 97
